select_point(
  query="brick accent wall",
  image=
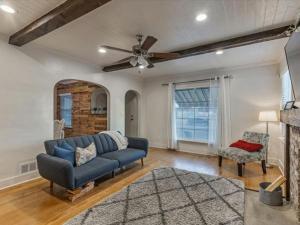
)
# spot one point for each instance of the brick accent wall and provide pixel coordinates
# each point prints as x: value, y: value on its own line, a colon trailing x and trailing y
x: 83, y: 121
x: 295, y: 168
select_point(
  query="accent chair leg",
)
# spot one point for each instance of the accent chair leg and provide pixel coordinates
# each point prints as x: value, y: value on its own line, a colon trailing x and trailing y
x: 142, y: 161
x: 220, y: 160
x: 240, y: 169
x: 263, y: 166
x: 51, y: 186
x: 113, y: 174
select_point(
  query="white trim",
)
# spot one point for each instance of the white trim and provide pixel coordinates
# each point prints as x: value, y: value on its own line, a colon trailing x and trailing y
x: 15, y: 180
x: 65, y: 94
x: 197, y: 153
x: 193, y: 141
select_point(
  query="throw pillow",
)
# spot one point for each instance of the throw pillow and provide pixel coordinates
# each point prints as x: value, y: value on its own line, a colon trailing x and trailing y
x: 65, y: 154
x: 65, y: 145
x: 84, y: 155
x: 247, y: 146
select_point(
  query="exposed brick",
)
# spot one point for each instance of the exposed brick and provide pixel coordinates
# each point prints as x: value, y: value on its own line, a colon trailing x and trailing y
x: 83, y: 122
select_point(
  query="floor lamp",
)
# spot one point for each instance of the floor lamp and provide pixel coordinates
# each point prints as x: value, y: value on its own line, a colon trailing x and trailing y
x: 267, y: 116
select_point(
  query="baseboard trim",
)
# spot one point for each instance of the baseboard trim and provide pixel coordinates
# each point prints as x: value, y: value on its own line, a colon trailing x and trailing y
x: 16, y: 180
x: 197, y: 153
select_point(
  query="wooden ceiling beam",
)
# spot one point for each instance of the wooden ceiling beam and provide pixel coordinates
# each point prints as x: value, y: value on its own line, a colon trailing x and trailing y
x: 249, y: 39
x: 58, y: 17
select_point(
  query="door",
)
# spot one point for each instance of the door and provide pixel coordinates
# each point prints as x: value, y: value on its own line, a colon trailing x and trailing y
x: 131, y: 114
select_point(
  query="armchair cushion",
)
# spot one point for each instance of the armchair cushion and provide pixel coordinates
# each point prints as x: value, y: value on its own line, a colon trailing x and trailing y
x: 239, y: 155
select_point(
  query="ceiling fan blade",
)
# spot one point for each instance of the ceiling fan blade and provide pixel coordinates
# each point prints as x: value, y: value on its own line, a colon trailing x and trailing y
x: 124, y: 60
x: 149, y: 42
x: 164, y: 55
x: 116, y: 49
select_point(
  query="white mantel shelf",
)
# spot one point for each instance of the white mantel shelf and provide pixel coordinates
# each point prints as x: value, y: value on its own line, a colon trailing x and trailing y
x: 290, y: 117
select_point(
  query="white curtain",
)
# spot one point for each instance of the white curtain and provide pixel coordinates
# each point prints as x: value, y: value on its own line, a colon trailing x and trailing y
x: 171, y: 129
x: 219, y: 114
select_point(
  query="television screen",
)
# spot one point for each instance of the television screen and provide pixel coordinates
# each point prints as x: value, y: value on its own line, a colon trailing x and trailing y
x: 292, y: 50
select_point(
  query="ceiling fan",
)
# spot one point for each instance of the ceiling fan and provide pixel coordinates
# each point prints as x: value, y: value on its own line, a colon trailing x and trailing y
x: 140, y: 55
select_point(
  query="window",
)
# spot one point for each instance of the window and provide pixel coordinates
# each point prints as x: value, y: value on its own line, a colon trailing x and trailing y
x: 66, y: 109
x: 286, y: 88
x: 192, y: 108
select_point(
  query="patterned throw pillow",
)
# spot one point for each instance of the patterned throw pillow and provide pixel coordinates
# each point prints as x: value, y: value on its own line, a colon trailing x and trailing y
x: 84, y: 155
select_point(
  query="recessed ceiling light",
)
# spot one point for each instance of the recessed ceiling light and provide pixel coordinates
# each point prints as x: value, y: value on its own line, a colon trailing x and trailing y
x: 7, y: 9
x: 102, y: 50
x: 201, y: 17
x: 219, y: 52
x: 141, y: 66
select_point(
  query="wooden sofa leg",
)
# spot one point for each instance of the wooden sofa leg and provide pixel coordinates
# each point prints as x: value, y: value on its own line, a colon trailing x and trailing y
x: 51, y: 187
x: 240, y: 169
x: 113, y: 174
x: 142, y: 161
x: 220, y: 160
x: 263, y: 166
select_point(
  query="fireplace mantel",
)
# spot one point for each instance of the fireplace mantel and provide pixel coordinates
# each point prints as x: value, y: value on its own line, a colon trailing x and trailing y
x: 290, y: 117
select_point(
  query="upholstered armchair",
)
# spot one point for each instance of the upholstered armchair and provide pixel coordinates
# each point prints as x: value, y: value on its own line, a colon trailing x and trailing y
x: 242, y: 156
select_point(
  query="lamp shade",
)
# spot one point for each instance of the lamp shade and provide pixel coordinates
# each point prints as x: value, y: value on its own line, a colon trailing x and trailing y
x: 268, y: 116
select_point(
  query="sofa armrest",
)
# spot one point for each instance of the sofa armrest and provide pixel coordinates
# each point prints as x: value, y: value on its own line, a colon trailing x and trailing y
x: 55, y: 169
x: 138, y: 143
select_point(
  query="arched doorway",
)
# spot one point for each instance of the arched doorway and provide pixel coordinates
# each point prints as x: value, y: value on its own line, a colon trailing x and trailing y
x: 132, y: 114
x: 84, y: 107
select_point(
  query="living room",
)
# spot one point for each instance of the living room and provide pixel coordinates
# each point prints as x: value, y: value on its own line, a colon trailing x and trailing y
x: 158, y: 93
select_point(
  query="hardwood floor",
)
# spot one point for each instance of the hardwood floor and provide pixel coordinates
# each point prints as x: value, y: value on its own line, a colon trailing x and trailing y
x: 31, y: 203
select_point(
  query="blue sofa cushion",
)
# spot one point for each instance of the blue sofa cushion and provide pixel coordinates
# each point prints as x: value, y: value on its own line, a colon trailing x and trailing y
x: 74, y: 142
x: 125, y: 156
x: 94, y: 169
x: 104, y: 143
x: 65, y: 154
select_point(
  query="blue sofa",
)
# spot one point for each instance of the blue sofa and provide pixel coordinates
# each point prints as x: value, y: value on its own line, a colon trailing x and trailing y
x: 63, y: 173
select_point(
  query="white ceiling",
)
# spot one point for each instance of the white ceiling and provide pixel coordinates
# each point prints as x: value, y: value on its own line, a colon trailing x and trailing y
x: 171, y: 21
x: 27, y: 12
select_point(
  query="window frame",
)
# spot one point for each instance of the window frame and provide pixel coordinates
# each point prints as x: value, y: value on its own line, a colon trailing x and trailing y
x: 194, y: 108
x: 71, y: 109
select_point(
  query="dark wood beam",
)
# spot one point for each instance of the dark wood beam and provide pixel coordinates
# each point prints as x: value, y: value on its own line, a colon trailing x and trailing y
x: 58, y: 17
x: 249, y: 39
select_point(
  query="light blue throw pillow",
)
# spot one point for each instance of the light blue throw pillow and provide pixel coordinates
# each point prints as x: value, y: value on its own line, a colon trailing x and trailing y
x: 65, y: 153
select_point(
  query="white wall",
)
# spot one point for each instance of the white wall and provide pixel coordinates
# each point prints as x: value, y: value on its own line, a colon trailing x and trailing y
x: 27, y: 79
x: 253, y: 89
x: 28, y: 76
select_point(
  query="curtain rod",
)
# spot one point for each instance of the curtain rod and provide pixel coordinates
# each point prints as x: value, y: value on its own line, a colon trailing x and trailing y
x: 194, y: 81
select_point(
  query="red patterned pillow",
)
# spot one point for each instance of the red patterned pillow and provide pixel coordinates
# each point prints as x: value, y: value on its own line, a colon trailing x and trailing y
x: 247, y: 146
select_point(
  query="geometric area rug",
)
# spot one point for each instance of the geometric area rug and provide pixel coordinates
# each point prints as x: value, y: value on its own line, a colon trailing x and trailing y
x: 170, y: 196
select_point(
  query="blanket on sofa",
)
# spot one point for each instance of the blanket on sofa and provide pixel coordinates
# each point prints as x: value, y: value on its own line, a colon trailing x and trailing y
x: 120, y: 140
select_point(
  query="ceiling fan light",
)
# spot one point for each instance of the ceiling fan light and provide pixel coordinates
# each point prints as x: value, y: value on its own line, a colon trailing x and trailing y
x: 142, y: 61
x: 133, y: 61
